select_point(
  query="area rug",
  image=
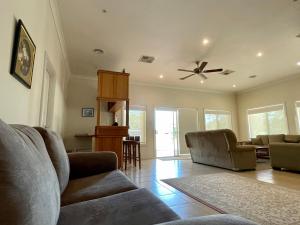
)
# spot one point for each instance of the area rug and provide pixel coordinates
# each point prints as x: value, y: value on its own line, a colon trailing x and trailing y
x: 264, y: 203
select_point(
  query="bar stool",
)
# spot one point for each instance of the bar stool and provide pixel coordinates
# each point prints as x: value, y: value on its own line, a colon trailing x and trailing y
x: 132, y: 150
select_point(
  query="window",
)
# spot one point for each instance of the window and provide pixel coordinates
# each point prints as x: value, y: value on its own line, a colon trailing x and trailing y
x: 215, y: 119
x: 298, y: 113
x: 137, y: 122
x: 267, y: 120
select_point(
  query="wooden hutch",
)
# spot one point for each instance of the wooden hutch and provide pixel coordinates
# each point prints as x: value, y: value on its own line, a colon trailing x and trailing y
x: 113, y: 89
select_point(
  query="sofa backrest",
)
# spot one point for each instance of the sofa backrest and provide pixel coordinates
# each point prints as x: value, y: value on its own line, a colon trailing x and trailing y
x: 58, y: 155
x: 292, y: 138
x: 264, y: 139
x: 267, y: 139
x: 29, y: 189
x: 211, y: 146
x: 223, y: 138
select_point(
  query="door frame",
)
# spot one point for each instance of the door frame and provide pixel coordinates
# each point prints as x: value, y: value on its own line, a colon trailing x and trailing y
x: 48, y: 68
x: 154, y: 133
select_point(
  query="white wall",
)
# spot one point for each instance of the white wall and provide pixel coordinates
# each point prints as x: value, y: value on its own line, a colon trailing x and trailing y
x: 82, y: 92
x: 285, y: 91
x: 19, y: 104
x: 153, y: 97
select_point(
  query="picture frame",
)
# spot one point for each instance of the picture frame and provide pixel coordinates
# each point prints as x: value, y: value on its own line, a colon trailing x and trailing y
x: 88, y: 112
x: 23, y: 55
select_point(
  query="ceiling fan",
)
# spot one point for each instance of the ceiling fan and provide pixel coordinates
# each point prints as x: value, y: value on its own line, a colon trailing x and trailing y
x: 199, y: 70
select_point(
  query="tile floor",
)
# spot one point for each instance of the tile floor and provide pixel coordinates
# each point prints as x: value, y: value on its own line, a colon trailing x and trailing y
x: 154, y: 171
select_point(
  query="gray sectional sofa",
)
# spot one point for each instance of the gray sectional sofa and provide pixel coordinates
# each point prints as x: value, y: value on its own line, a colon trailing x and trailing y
x: 284, y: 150
x: 40, y: 184
x: 220, y: 148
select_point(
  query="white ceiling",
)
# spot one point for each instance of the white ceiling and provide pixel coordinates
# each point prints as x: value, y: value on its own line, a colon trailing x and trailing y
x: 172, y: 31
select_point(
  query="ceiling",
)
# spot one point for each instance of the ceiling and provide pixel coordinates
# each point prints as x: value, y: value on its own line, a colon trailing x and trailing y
x: 173, y: 31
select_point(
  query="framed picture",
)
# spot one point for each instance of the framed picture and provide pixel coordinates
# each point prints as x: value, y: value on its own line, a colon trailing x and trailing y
x: 23, y: 55
x: 87, y: 112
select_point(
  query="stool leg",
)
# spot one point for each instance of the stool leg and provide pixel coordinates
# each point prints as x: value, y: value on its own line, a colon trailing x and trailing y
x: 129, y: 153
x: 134, y: 155
x: 139, y: 154
x: 126, y: 156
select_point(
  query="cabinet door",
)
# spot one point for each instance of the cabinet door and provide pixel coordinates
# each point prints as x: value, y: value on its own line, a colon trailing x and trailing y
x: 121, y: 87
x: 106, y: 85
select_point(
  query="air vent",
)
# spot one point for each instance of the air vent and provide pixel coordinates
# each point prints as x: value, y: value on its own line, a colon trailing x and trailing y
x: 227, y: 72
x: 146, y: 59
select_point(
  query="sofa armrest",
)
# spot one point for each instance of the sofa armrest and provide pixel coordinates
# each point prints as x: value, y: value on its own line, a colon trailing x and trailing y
x: 225, y: 219
x: 244, y: 148
x: 83, y: 164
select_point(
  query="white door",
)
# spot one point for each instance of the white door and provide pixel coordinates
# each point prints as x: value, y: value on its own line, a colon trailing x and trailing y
x: 166, y: 132
x: 44, y: 121
x: 187, y: 122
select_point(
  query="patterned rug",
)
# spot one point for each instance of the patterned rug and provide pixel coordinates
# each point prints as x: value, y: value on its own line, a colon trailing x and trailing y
x: 264, y: 203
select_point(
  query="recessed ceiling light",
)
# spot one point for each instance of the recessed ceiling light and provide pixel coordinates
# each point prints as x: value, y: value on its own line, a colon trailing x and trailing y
x: 298, y: 63
x: 252, y: 76
x: 234, y: 86
x: 202, y: 81
x: 205, y: 41
x: 259, y: 54
x: 161, y: 76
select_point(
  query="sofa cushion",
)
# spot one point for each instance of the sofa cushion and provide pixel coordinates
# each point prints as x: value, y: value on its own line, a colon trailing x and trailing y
x: 264, y: 139
x: 256, y: 141
x: 29, y: 189
x: 276, y: 138
x: 212, y: 220
x: 134, y: 207
x: 96, y: 186
x: 292, y: 138
x: 58, y: 155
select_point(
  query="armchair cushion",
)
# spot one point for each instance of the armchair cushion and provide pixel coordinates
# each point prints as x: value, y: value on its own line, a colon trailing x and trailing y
x: 84, y: 164
x: 96, y: 186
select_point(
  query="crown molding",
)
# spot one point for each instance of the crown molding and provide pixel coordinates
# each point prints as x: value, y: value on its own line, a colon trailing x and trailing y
x: 148, y: 84
x: 60, y: 34
x: 208, y: 91
x: 269, y: 84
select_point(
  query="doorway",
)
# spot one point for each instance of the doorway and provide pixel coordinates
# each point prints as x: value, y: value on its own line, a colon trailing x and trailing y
x: 166, y: 132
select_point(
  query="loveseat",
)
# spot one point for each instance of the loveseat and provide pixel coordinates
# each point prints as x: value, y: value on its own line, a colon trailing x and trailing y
x: 40, y: 184
x: 220, y: 148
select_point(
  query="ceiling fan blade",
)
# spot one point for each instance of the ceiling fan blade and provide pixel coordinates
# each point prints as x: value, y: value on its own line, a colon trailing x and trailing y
x: 183, y: 78
x: 201, y: 67
x: 203, y: 76
x: 186, y: 70
x: 212, y: 71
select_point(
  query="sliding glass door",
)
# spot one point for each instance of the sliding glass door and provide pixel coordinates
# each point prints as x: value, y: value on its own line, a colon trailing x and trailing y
x: 166, y: 141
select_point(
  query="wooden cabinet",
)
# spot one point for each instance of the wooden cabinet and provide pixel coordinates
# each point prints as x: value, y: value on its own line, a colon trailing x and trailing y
x: 113, y: 88
x: 113, y: 85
